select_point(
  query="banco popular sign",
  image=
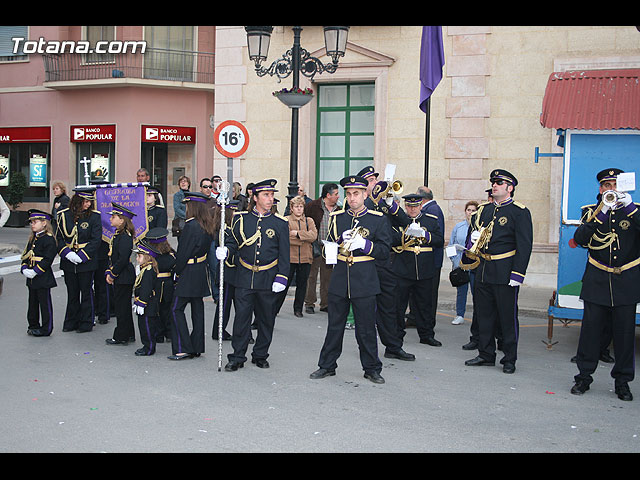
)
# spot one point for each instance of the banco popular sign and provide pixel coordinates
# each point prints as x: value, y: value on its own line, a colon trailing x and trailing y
x: 167, y: 134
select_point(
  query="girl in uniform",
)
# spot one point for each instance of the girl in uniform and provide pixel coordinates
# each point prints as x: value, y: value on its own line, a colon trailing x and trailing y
x: 145, y: 301
x: 121, y: 273
x: 166, y: 260
x: 37, y: 259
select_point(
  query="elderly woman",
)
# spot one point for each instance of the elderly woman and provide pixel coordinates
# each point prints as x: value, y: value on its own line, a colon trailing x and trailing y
x: 458, y: 236
x: 302, y: 233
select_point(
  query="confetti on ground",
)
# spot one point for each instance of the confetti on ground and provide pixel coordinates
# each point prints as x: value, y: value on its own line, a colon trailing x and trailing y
x: 93, y: 408
x: 550, y: 393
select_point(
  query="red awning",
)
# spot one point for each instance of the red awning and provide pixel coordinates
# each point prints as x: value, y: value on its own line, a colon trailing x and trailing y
x: 592, y: 100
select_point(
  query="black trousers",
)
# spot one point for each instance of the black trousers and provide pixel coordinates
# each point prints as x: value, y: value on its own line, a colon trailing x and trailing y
x: 103, y: 292
x: 124, y: 316
x: 475, y: 330
x: 79, y: 312
x: 181, y: 340
x: 148, y: 327
x: 421, y: 308
x: 301, y: 273
x: 497, y: 305
x: 40, y: 308
x: 246, y: 301
x: 228, y: 294
x: 385, y: 314
x: 164, y: 312
x: 364, y: 313
x: 623, y: 323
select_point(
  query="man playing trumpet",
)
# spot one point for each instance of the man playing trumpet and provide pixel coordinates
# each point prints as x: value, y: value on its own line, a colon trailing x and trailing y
x: 611, y: 233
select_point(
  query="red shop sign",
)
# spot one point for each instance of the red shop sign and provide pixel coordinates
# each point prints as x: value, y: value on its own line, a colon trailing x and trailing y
x: 167, y: 134
x: 25, y: 134
x: 93, y: 133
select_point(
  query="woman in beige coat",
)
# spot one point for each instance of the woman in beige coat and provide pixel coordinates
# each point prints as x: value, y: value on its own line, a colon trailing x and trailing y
x: 302, y: 233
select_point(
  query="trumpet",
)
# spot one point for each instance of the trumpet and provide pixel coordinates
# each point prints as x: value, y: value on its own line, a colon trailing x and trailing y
x: 396, y: 188
x: 611, y: 197
x: 344, y: 248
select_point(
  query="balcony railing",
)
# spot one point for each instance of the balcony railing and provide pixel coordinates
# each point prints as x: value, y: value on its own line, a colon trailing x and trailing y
x: 154, y: 64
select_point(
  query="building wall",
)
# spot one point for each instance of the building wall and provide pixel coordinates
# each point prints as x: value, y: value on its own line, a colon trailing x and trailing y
x: 484, y: 114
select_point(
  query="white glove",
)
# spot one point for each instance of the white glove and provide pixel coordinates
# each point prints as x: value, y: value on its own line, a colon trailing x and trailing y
x: 221, y: 253
x: 346, y: 235
x: 475, y: 235
x: 357, y: 242
x: 415, y: 230
x: 73, y: 257
x: 29, y: 273
x: 277, y: 287
x: 389, y: 200
x: 514, y: 283
x: 139, y: 310
x: 625, y: 199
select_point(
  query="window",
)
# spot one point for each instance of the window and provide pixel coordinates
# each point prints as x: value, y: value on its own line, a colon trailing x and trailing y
x: 169, y: 52
x: 345, y: 134
x: 6, y: 44
x: 97, y: 34
x: 20, y: 157
x: 102, y: 162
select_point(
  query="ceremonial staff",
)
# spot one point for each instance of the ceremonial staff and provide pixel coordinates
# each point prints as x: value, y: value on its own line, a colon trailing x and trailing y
x: 223, y: 199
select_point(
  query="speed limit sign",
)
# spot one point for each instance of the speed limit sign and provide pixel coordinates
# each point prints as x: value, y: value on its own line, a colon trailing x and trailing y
x: 231, y: 138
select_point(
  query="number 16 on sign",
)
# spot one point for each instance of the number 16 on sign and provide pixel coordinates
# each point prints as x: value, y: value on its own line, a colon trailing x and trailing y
x: 231, y: 138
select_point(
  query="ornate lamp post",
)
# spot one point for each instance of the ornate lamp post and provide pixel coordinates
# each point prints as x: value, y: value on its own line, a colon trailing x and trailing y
x: 296, y: 60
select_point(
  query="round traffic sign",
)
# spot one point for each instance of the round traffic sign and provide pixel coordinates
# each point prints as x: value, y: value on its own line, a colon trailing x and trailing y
x: 231, y: 138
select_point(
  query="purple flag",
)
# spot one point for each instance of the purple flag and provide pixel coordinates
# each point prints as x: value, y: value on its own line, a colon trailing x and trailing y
x: 129, y: 195
x: 431, y: 62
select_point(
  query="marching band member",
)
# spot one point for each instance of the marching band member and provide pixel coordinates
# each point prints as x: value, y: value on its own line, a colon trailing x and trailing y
x: 146, y: 297
x: 610, y: 232
x: 394, y: 217
x: 156, y: 213
x: 78, y: 237
x: 36, y: 262
x: 166, y: 260
x: 501, y: 265
x: 260, y: 242
x: 413, y: 265
x: 364, y: 237
x: 192, y: 283
x: 121, y: 273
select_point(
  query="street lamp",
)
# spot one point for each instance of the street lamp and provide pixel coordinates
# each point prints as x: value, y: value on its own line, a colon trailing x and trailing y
x: 296, y: 60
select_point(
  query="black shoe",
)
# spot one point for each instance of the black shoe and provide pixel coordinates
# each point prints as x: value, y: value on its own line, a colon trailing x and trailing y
x: 624, y: 393
x: 111, y: 341
x: 509, y: 368
x: 180, y: 356
x: 142, y: 352
x: 298, y: 314
x: 103, y: 321
x: 574, y: 359
x: 68, y: 329
x: 225, y: 336
x: 470, y: 346
x: 479, y: 361
x: 233, y: 366
x: 375, y: 377
x: 324, y: 309
x: 431, y: 341
x: 606, y: 358
x: 83, y: 330
x: 260, y: 362
x: 309, y: 309
x: 400, y: 355
x: 579, y: 388
x: 321, y: 373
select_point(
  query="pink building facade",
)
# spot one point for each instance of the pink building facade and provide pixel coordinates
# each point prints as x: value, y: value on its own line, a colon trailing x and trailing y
x: 120, y: 111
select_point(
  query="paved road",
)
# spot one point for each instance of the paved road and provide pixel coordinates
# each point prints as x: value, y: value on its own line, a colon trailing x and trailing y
x: 72, y: 393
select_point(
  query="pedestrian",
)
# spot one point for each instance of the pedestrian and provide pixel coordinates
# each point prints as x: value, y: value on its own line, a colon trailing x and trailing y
x: 319, y: 210
x: 363, y: 237
x: 156, y: 213
x: 413, y: 265
x: 503, y: 253
x: 239, y: 196
x: 260, y: 242
x: 192, y: 283
x: 166, y: 261
x: 610, y: 233
x: 145, y: 301
x: 302, y: 234
x: 142, y: 175
x: 379, y: 200
x: 78, y: 237
x: 459, y: 237
x: 60, y: 202
x: 36, y: 264
x: 179, y: 208
x: 121, y: 273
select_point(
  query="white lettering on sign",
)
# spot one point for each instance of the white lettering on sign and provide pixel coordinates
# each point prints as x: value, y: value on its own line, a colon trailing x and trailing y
x: 5, y: 138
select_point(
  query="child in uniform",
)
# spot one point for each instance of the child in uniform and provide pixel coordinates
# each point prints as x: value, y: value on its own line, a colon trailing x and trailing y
x: 145, y: 301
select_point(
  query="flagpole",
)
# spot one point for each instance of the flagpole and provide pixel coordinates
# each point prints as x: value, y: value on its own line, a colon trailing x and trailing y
x: 427, y: 134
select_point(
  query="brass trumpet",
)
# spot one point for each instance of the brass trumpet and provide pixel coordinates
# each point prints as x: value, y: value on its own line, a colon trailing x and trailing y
x: 396, y: 188
x: 478, y: 245
x: 611, y: 197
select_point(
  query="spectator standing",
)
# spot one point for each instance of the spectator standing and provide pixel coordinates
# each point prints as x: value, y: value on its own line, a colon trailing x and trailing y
x: 458, y: 237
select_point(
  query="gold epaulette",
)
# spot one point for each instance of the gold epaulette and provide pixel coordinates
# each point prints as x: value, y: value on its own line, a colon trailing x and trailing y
x: 375, y: 212
x: 281, y: 217
x: 518, y: 204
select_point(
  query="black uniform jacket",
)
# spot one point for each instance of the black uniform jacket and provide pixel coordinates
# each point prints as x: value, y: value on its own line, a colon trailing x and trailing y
x: 144, y: 293
x: 192, y: 268
x: 164, y: 282
x: 260, y: 244
x: 507, y: 254
x: 157, y: 217
x: 120, y: 266
x: 355, y: 274
x: 395, y: 218
x: 612, y: 273
x: 413, y: 258
x: 38, y: 255
x: 82, y: 237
